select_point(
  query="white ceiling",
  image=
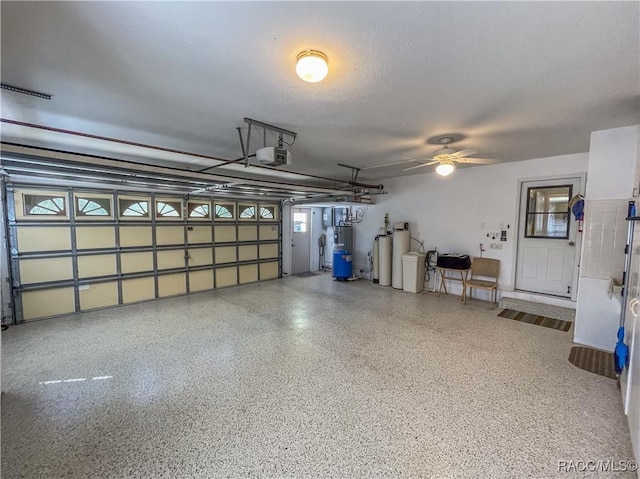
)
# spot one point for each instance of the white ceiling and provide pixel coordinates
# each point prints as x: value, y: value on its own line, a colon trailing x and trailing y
x: 520, y: 80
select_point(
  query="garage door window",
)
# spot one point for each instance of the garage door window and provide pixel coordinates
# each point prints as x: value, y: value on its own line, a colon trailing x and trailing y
x: 248, y: 212
x: 224, y: 211
x: 36, y: 205
x: 134, y: 208
x: 92, y: 206
x: 267, y: 212
x: 198, y: 210
x: 168, y: 209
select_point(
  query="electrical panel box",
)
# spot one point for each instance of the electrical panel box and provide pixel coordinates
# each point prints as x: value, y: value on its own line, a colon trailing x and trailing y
x: 327, y: 217
x: 340, y: 216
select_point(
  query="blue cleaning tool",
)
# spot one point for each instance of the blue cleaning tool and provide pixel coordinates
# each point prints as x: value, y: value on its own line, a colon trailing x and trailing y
x: 621, y: 352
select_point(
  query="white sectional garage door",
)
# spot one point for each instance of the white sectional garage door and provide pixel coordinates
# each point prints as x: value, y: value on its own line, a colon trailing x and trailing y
x: 76, y: 250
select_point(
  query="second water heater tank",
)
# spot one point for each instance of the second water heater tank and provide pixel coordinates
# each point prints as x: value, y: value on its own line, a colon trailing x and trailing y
x: 384, y: 260
x: 401, y: 243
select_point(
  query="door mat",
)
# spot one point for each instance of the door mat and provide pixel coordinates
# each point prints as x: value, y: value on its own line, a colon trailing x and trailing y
x: 535, y: 319
x: 593, y: 360
x: 308, y: 274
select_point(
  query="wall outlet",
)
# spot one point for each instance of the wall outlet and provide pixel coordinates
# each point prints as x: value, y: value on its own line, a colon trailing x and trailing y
x: 496, y: 246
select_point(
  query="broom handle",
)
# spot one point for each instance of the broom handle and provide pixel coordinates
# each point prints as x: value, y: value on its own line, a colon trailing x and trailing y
x: 625, y: 275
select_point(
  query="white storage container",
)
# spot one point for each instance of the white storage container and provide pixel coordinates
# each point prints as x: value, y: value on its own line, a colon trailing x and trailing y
x: 413, y: 272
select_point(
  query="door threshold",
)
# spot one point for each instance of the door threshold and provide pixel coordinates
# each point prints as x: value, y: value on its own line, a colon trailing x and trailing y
x: 540, y: 298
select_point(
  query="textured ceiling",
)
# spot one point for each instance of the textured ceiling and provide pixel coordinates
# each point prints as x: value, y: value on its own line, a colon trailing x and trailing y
x: 519, y: 80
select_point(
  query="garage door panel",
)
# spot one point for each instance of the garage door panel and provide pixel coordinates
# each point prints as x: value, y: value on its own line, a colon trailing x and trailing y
x: 199, y: 234
x: 47, y: 302
x: 106, y: 253
x: 269, y: 232
x: 200, y: 280
x: 247, y: 233
x: 169, y: 235
x: 170, y: 259
x: 226, y: 277
x: 224, y: 234
x: 268, y: 251
x: 248, y: 273
x: 268, y: 270
x: 43, y: 238
x: 226, y: 254
x: 99, y: 295
x: 136, y: 262
x: 136, y: 236
x: 93, y: 237
x: 138, y: 289
x: 171, y: 285
x: 248, y: 253
x: 42, y: 270
x: 200, y: 256
x: 97, y: 265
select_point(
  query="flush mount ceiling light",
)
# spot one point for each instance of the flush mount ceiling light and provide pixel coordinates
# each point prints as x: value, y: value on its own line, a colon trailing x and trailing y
x: 445, y: 167
x: 311, y: 66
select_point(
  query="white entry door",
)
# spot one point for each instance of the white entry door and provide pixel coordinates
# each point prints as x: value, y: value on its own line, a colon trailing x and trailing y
x: 547, y: 251
x: 301, y: 241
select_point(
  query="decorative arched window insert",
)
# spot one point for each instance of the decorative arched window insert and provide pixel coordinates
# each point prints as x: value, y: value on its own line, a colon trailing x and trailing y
x: 36, y: 205
x: 168, y: 209
x: 224, y: 211
x: 198, y: 210
x: 93, y: 206
x: 267, y: 212
x: 132, y: 208
x: 247, y: 212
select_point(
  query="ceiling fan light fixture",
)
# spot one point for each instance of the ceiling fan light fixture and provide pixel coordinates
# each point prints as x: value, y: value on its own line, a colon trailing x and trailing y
x: 311, y: 66
x: 445, y: 168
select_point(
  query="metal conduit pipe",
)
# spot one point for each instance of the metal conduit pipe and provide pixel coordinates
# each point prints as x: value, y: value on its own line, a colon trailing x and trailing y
x: 180, y: 152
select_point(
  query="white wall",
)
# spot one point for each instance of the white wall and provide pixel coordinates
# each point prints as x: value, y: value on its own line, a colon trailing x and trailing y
x: 448, y: 212
x: 612, y: 162
x: 316, y: 231
x: 287, y: 239
x: 612, y: 177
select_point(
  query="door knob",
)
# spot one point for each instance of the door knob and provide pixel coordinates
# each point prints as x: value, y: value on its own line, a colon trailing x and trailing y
x: 572, y: 243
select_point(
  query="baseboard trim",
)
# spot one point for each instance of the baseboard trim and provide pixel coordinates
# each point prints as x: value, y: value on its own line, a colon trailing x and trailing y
x: 540, y: 298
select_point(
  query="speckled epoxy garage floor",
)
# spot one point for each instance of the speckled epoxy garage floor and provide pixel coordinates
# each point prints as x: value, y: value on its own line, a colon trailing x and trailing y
x: 301, y: 377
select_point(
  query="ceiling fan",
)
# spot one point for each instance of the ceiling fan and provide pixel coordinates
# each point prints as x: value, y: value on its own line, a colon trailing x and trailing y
x: 445, y: 157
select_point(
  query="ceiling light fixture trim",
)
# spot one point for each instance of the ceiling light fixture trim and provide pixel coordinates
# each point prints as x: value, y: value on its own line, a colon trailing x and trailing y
x: 312, y: 65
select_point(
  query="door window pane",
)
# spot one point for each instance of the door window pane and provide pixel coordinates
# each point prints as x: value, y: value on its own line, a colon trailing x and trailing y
x: 299, y: 222
x: 548, y: 212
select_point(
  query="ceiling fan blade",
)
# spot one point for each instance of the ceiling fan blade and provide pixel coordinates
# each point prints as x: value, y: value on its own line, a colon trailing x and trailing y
x: 419, y: 166
x: 478, y: 161
x: 387, y: 164
x: 463, y: 153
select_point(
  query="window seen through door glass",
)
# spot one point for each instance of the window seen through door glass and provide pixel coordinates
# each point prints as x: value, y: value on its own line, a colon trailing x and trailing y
x: 548, y: 212
x: 299, y: 223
